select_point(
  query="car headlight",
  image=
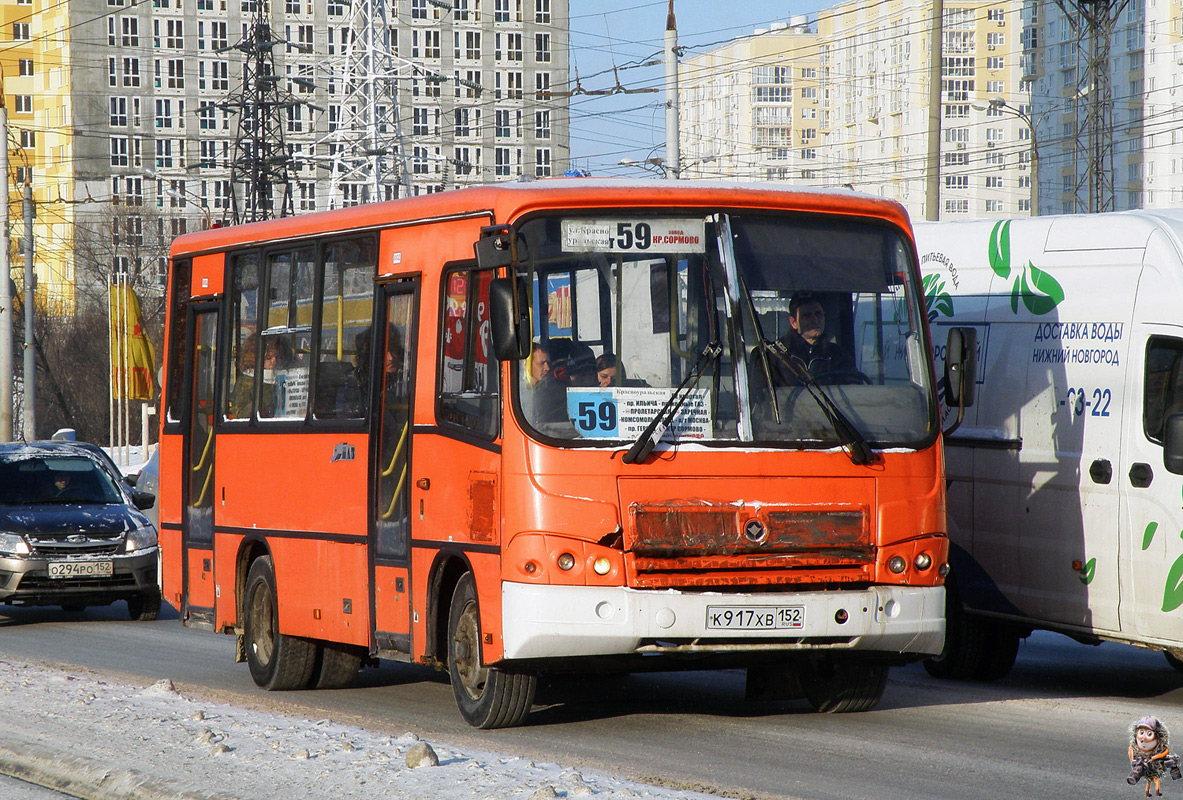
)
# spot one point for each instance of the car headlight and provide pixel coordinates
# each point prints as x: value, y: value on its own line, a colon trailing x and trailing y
x: 140, y: 539
x: 13, y: 544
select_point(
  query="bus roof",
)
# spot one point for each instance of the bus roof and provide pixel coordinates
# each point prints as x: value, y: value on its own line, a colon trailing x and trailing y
x: 504, y: 202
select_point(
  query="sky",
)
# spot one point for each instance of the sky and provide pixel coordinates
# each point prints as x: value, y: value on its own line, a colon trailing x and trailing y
x: 154, y: 742
x: 626, y: 33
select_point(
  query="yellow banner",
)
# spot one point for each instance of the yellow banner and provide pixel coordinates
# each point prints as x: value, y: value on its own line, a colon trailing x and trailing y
x: 133, y: 362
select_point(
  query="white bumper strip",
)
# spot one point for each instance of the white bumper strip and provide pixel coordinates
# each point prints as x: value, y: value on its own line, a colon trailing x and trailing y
x: 558, y: 621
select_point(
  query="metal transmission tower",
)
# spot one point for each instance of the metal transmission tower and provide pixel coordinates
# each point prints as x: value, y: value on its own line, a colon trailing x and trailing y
x: 1094, y: 21
x: 366, y: 151
x: 261, y: 159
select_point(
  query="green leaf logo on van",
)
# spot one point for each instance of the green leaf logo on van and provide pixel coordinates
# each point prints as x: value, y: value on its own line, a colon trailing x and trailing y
x: 936, y: 300
x: 1038, y: 291
x: 1172, y: 595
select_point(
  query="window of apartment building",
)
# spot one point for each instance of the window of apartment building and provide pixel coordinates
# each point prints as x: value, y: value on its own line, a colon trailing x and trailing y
x: 24, y: 104
x: 995, y: 135
x: 809, y: 154
x: 295, y: 119
x: 957, y: 135
x: 501, y: 123
x: 993, y: 182
x: 501, y: 162
x: 1024, y: 181
x: 28, y: 139
x: 291, y: 6
x: 24, y: 175
x: 112, y: 72
x: 956, y: 181
x: 541, y: 124
x: 469, y: 85
x: 111, y: 37
x: 542, y: 162
x: 995, y: 87
x: 993, y: 206
x: 164, y: 112
x: 25, y: 67
x: 542, y: 12
x: 957, y: 90
x: 1024, y: 206
x: 419, y: 160
x: 219, y: 36
x: 513, y: 85
x: 221, y: 75
x: 208, y: 153
x: 20, y: 31
x: 957, y: 206
x: 131, y: 71
x: 541, y: 85
x: 419, y: 122
x: 129, y: 31
x: 542, y: 48
x: 809, y: 93
x: 994, y: 40
x: 460, y: 9
x: 956, y: 159
x: 418, y: 9
x: 431, y: 44
x: 956, y: 110
x: 118, y: 115
x: 995, y: 63
x: 462, y: 160
x: 809, y: 73
x: 462, y: 122
x: 307, y: 191
x: 995, y: 15
x: 176, y: 73
x: 809, y: 113
x: 513, y: 47
x: 119, y: 151
x: 336, y: 8
x: 994, y: 158
x: 808, y: 135
x: 472, y: 45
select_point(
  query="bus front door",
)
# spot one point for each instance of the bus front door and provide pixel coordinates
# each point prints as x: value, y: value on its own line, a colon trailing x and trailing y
x: 197, y: 533
x: 390, y: 579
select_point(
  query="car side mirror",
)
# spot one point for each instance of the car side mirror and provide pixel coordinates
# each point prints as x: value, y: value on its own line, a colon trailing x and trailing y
x: 1172, y: 448
x: 961, y: 367
x: 509, y: 319
x: 143, y: 500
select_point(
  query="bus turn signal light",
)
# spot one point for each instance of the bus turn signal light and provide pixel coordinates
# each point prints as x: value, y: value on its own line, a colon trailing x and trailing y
x: 602, y: 566
x: 565, y: 561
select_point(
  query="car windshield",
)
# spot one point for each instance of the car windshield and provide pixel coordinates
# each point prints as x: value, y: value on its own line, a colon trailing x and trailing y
x: 798, y: 330
x: 46, y: 479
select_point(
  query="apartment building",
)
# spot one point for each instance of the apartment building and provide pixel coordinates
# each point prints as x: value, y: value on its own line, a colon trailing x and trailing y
x: 129, y: 109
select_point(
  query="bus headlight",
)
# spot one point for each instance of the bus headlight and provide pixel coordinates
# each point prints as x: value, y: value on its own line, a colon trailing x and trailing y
x: 923, y: 561
x: 897, y: 564
x: 565, y: 561
x: 602, y: 566
x: 139, y: 539
x: 13, y: 544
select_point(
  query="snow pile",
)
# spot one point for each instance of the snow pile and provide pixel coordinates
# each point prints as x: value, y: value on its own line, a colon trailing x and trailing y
x: 77, y: 731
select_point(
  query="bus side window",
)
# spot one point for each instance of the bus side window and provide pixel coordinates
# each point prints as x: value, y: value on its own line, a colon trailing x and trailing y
x: 343, y: 351
x: 468, y: 388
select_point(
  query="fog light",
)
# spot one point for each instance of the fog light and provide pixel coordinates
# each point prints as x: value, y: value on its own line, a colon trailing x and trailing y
x: 602, y: 566
x: 530, y: 567
x: 923, y: 561
x: 897, y: 564
x: 566, y: 561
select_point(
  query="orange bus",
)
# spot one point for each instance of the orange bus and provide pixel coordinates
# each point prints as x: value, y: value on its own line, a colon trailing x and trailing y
x: 543, y: 427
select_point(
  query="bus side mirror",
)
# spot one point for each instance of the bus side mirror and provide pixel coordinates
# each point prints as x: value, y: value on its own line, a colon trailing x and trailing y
x: 1172, y: 448
x: 509, y: 319
x: 961, y: 367
x: 495, y: 247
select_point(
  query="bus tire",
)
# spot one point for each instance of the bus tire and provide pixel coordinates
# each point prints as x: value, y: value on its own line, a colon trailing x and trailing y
x: 144, y: 607
x: 277, y: 661
x: 336, y: 666
x: 488, y: 697
x: 962, y: 654
x: 840, y: 687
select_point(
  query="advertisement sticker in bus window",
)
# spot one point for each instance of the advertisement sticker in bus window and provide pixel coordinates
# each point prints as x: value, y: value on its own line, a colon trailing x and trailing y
x: 634, y: 235
x: 623, y: 412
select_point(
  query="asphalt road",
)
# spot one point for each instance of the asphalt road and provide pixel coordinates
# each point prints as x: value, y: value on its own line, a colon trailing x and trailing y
x: 1056, y: 727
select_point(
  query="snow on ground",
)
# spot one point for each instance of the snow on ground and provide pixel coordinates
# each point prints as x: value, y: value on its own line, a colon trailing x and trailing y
x: 154, y: 743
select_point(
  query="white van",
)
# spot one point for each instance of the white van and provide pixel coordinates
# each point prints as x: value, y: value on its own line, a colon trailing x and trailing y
x: 1065, y: 498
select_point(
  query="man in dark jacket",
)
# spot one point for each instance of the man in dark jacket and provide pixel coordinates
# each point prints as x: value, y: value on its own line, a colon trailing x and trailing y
x: 807, y: 346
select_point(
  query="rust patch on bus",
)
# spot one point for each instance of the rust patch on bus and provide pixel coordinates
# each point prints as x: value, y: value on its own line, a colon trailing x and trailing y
x: 482, y: 507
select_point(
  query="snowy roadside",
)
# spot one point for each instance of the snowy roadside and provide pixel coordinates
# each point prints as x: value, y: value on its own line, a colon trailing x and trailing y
x: 102, y: 740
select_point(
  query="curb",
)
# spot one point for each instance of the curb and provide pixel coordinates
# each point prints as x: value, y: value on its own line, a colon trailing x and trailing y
x: 85, y: 778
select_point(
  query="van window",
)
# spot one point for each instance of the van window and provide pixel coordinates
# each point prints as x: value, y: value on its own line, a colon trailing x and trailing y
x: 1164, y: 385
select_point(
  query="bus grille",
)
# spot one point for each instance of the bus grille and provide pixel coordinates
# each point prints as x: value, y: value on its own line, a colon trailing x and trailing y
x: 691, y: 545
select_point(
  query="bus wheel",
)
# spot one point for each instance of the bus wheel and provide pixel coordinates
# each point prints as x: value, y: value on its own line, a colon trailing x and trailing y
x: 336, y: 666
x: 144, y: 607
x: 1000, y: 647
x: 488, y: 697
x: 838, y: 687
x: 277, y: 661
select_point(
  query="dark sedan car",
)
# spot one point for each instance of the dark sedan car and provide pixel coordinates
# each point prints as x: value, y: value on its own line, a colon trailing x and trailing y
x: 71, y: 534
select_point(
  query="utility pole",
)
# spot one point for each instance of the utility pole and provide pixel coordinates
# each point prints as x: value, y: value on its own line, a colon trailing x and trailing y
x: 6, y: 321
x: 673, y: 158
x: 932, y: 190
x: 30, y: 407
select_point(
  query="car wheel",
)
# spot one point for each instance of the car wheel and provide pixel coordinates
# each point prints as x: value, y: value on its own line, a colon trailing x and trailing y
x: 277, y: 661
x: 144, y: 607
x: 488, y: 697
x: 838, y: 687
x: 336, y: 666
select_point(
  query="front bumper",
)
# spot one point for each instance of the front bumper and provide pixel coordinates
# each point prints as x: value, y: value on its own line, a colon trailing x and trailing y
x: 564, y: 621
x: 26, y: 581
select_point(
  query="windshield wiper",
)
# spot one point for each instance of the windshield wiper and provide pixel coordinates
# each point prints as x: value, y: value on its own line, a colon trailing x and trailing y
x: 849, y: 437
x: 665, y: 416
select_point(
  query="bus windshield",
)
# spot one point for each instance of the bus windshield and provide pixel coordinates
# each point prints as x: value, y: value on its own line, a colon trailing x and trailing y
x: 773, y: 329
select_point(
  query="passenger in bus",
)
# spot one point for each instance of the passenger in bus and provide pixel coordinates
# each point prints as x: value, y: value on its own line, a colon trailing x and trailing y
x: 242, y: 396
x: 537, y: 365
x: 609, y: 371
x: 807, y: 346
x: 572, y: 364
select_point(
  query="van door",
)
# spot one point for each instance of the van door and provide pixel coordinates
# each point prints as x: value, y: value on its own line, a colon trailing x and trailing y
x: 1152, y: 561
x: 197, y: 530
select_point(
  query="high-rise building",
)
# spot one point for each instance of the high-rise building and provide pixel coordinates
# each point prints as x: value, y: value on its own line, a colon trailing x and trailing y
x: 123, y: 114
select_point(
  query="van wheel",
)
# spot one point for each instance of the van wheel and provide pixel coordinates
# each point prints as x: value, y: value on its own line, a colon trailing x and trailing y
x: 276, y: 661
x: 976, y: 649
x: 1000, y: 647
x: 838, y: 687
x: 488, y: 697
x: 336, y: 666
x: 144, y: 607
x: 1173, y: 660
